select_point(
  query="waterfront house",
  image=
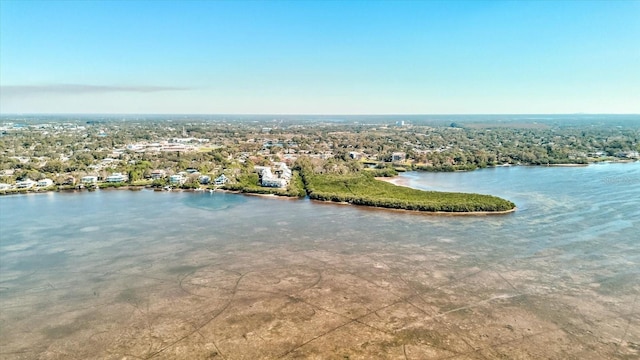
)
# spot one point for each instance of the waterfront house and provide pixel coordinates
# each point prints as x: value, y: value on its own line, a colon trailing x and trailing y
x: 204, y: 179
x: 628, y: 154
x: 89, y: 180
x: 158, y: 174
x: 273, y: 182
x: 177, y: 179
x: 116, y: 178
x: 278, y: 178
x: 44, y: 183
x: 282, y: 170
x: 4, y: 186
x: 25, y: 184
x: 221, y: 180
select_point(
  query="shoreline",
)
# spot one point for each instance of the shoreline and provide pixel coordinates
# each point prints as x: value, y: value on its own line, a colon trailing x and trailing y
x: 566, y: 165
x: 274, y: 196
x: 418, y: 212
x: 395, y: 180
x: 266, y: 196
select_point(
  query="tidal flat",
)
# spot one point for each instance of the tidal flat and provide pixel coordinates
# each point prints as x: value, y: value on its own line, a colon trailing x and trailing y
x: 147, y: 275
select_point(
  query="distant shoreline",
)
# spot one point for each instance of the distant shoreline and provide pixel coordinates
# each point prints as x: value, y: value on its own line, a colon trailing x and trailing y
x: 392, y: 180
x: 567, y: 165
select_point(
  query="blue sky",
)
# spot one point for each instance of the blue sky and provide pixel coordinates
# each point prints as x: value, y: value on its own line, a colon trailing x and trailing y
x: 320, y: 57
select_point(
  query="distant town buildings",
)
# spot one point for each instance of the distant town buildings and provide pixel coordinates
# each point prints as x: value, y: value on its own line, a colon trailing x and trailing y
x: 98, y: 148
x: 175, y: 144
x: 356, y: 155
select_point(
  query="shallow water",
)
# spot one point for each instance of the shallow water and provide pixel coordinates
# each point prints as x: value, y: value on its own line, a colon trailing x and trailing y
x: 114, y: 274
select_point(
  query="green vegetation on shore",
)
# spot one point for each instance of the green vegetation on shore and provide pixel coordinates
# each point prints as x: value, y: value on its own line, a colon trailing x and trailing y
x: 364, y: 189
x: 248, y: 183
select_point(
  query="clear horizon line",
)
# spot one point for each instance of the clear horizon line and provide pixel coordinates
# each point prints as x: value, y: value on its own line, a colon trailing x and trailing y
x: 307, y: 114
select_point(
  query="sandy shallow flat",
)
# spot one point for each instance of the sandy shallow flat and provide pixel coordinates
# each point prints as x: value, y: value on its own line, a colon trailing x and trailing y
x: 395, y: 180
x: 404, y: 303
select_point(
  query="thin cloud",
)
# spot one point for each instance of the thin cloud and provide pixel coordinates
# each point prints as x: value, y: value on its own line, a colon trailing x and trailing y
x: 67, y: 89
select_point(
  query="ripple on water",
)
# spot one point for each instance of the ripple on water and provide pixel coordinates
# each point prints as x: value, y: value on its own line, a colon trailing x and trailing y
x: 89, y: 229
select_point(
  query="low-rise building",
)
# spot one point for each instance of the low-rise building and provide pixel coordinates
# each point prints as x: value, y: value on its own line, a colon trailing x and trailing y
x: 89, y: 180
x: 44, y: 183
x: 355, y: 155
x: 221, y: 180
x: 261, y: 169
x: 177, y: 179
x: 158, y: 174
x: 273, y: 182
x: 628, y: 154
x: 204, y: 179
x: 398, y: 156
x: 283, y: 171
x: 116, y: 178
x: 279, y: 178
x: 25, y: 184
x: 4, y: 186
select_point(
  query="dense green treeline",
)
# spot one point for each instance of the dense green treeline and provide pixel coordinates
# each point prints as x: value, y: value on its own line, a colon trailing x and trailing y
x: 47, y: 149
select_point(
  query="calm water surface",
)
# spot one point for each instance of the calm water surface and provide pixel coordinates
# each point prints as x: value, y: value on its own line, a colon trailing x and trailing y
x: 143, y: 274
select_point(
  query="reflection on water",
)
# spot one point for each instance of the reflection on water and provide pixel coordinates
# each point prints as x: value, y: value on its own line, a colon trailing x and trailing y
x: 119, y: 274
